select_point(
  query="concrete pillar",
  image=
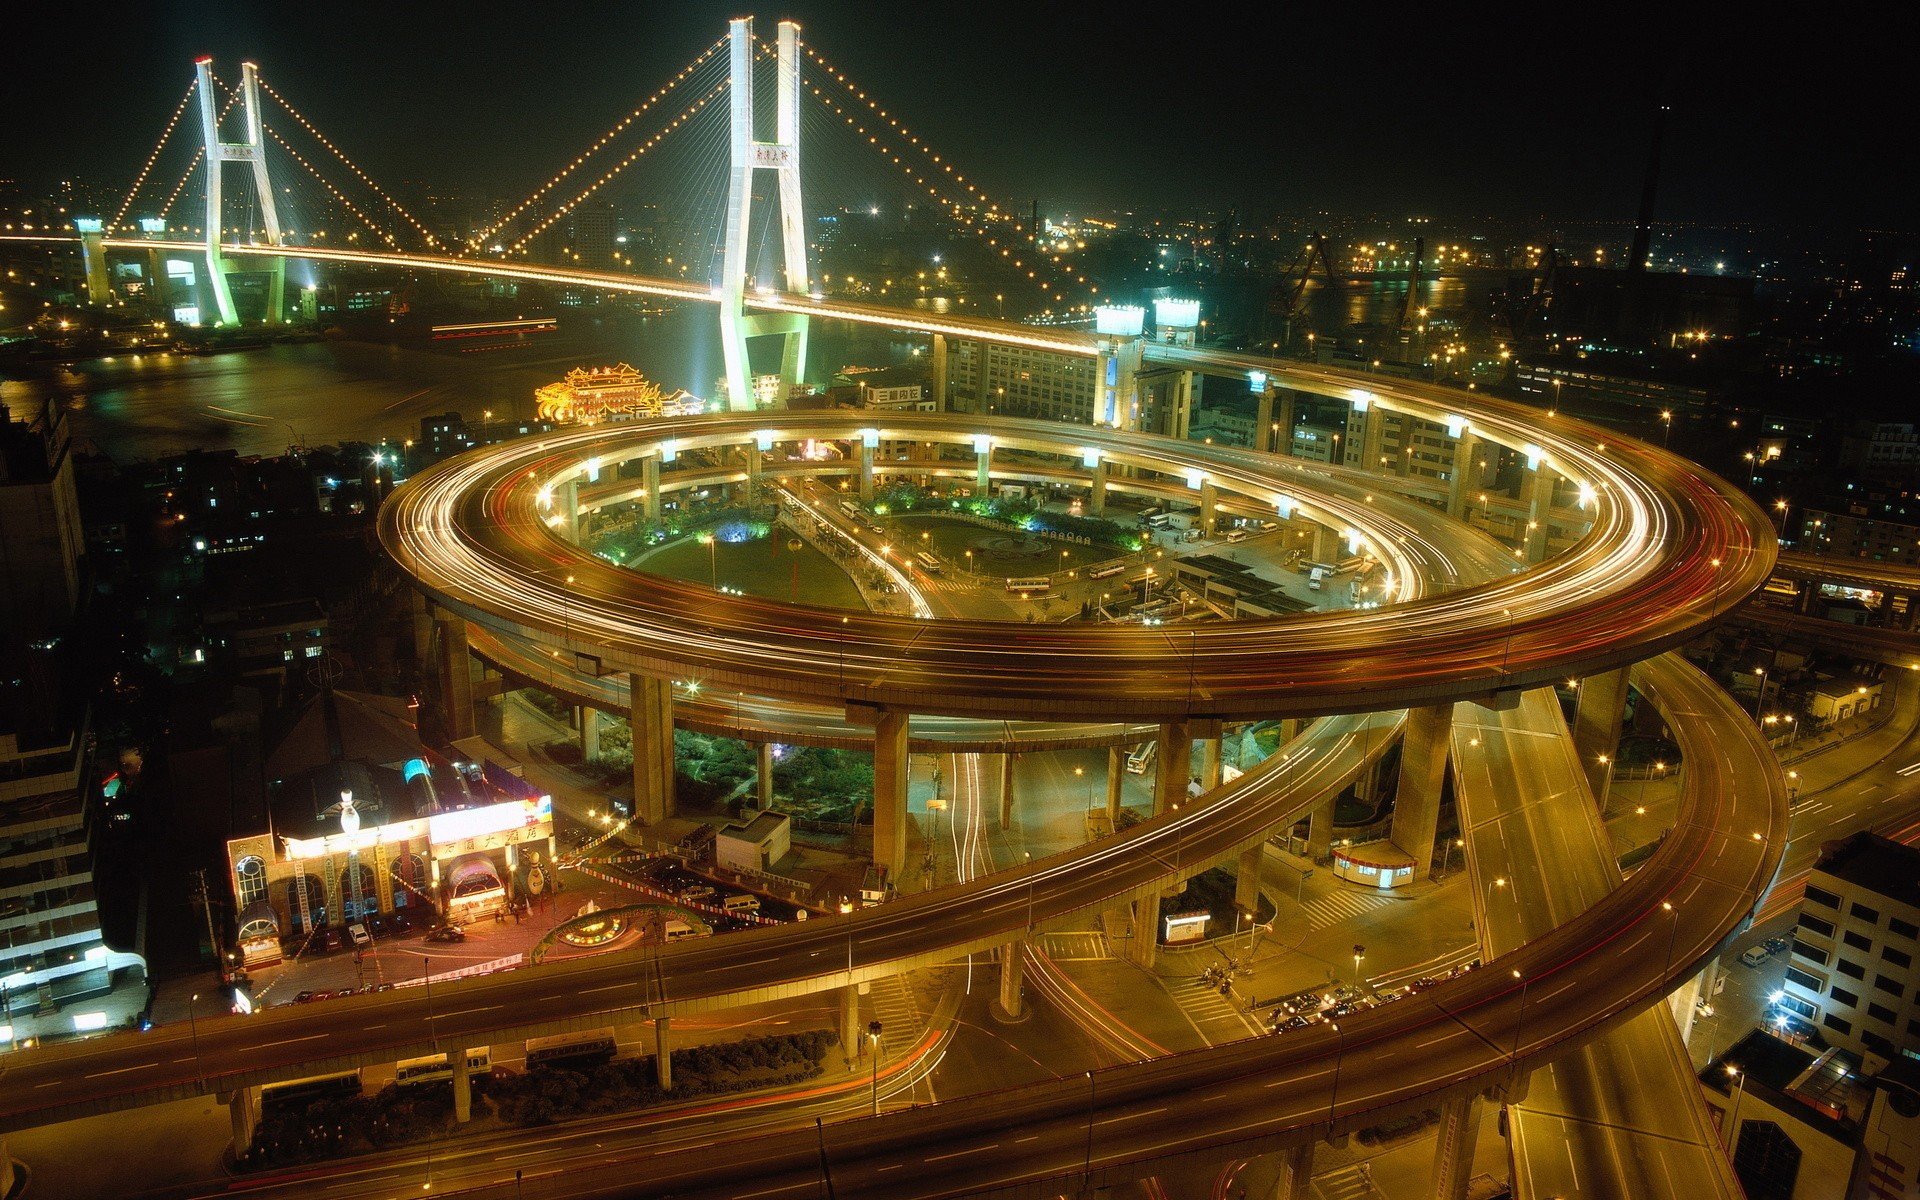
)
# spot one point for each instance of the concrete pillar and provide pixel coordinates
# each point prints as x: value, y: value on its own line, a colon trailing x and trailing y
x: 753, y: 473
x: 1012, y: 967
x: 1371, y: 423
x: 456, y: 679
x: 1116, y: 779
x: 1463, y: 482
x: 982, y: 467
x: 589, y: 732
x: 763, y: 775
x: 651, y: 712
x: 1596, y: 726
x: 1282, y: 438
x: 1006, y: 791
x: 650, y: 478
x: 1295, y: 1178
x: 570, y: 510
x: 1453, y: 1153
x: 662, y: 1054
x: 850, y: 1021
x: 1265, y: 430
x: 1170, y: 765
x: 462, y: 1086
x: 890, y: 792
x: 866, y: 471
x: 1320, y: 832
x: 1324, y: 541
x: 1423, y: 768
x: 243, y: 1109
x: 1539, y: 495
x: 1210, y: 762
x: 940, y: 372
x: 1144, y: 944
x: 1209, y: 505
x: 422, y: 629
x: 1246, y: 880
x: 1097, y: 499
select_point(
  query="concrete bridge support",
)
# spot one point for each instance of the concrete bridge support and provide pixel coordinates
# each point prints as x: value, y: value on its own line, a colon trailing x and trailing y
x: 753, y: 473
x: 1246, y: 880
x: 422, y: 614
x: 1170, y: 764
x: 1325, y: 540
x: 1144, y: 944
x: 1006, y: 791
x: 650, y: 480
x: 982, y: 465
x: 867, y: 448
x: 1295, y: 1178
x: 1209, y: 508
x: 570, y: 511
x: 662, y: 1053
x: 1116, y: 780
x: 763, y: 774
x: 850, y: 1021
x: 243, y: 1110
x: 1012, y: 1005
x: 462, y: 1086
x: 1320, y: 832
x: 456, y: 677
x: 1540, y: 485
x: 651, y: 713
x: 1453, y: 1155
x: 589, y: 721
x: 889, y: 787
x: 1423, y: 769
x: 1463, y: 481
x: 1596, y: 726
x: 1372, y: 418
x: 1097, y: 499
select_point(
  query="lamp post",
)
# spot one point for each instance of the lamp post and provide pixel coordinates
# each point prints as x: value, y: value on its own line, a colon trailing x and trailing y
x: 433, y: 1027
x: 874, y: 1030
x: 1606, y: 780
x: 1081, y: 773
x: 1519, y: 1024
x: 193, y: 1027
x: 1733, y: 1110
x: 713, y: 562
x: 1760, y: 693
x: 1339, y: 1054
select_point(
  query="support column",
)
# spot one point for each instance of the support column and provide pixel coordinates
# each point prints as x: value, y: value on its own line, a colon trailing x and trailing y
x: 867, y: 448
x: 1596, y: 726
x: 1464, y: 480
x: 763, y: 777
x: 243, y: 1109
x: 1097, y: 500
x: 1324, y: 541
x: 1295, y: 1179
x: 1453, y: 1155
x: 890, y: 792
x: 456, y: 679
x: 1006, y: 791
x: 1116, y: 780
x: 651, y: 713
x: 462, y: 1086
x: 1171, y: 763
x: 570, y: 510
x: 589, y: 733
x: 982, y: 465
x: 1266, y: 431
x: 662, y: 1054
x: 753, y: 473
x: 1209, y: 504
x: 1210, y: 762
x: 850, y: 1021
x: 1283, y: 437
x: 1012, y: 967
x: 422, y: 629
x: 1539, y: 487
x: 650, y: 479
x: 1246, y: 880
x: 1143, y: 946
x: 1423, y: 769
x: 1320, y: 832
x: 1371, y: 420
x: 940, y: 372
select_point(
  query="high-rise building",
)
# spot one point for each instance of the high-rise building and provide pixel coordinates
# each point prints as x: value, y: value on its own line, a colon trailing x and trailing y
x: 1852, y: 971
x: 40, y: 537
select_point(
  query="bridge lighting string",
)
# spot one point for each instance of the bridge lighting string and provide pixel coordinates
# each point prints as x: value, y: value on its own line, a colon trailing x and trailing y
x: 141, y: 179
x: 432, y: 242
x: 595, y: 148
x: 337, y: 194
x: 994, y: 209
x: 614, y: 170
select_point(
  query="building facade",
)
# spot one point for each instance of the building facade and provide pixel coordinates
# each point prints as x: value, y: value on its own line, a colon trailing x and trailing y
x: 1852, y: 970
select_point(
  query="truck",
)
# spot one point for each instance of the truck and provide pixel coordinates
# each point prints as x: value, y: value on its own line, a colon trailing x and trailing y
x: 1182, y: 521
x: 1316, y: 576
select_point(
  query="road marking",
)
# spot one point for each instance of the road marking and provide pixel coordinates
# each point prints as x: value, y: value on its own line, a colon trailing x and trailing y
x: 962, y: 1153
x: 312, y: 1037
x: 121, y: 1070
x: 1912, y: 768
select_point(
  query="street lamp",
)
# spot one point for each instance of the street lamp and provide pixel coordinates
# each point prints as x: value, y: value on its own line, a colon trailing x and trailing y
x: 1080, y: 773
x: 874, y: 1030
x: 713, y: 568
x: 1519, y: 1022
x: 1733, y: 1110
x: 426, y: 976
x: 1606, y: 780
x: 1760, y: 694
x: 193, y: 1027
x: 1339, y: 1053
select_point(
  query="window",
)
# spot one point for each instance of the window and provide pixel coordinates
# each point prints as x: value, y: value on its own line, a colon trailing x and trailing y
x: 1870, y: 915
x: 1899, y: 958
x: 1859, y: 941
x: 1890, y: 985
x: 251, y: 874
x: 1843, y: 996
x: 1835, y: 1023
x: 1809, y: 951
x: 1823, y: 928
x: 1880, y: 1012
x: 1904, y: 929
x: 1795, y: 975
x: 1851, y: 969
x: 1823, y: 897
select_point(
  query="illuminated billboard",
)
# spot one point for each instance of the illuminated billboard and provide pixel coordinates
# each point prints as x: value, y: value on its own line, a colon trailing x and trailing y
x: 469, y: 824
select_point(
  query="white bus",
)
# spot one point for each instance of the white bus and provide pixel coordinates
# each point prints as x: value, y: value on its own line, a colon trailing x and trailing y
x: 1035, y: 586
x: 1108, y: 571
x: 438, y: 1068
x: 302, y: 1092
x: 588, y: 1049
x: 850, y: 508
x: 929, y: 562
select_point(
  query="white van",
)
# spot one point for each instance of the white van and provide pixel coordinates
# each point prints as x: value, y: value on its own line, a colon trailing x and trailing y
x: 1315, y: 578
x: 1236, y: 535
x: 677, y: 929
x: 741, y: 905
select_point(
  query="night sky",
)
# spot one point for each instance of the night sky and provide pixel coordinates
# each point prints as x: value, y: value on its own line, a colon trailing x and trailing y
x: 1504, y: 110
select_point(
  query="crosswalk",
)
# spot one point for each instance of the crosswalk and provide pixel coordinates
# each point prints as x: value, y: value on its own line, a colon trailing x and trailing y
x: 1215, y: 1017
x: 1078, y: 945
x: 1335, y: 907
x: 1352, y: 1182
x: 893, y: 1006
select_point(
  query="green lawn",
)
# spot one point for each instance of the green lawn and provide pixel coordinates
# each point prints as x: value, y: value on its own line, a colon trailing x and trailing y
x: 763, y: 567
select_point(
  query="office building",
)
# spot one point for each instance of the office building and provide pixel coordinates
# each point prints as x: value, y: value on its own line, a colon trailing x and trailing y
x: 1852, y: 971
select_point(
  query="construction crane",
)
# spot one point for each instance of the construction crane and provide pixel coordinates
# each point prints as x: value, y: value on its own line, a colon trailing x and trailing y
x: 1284, y: 303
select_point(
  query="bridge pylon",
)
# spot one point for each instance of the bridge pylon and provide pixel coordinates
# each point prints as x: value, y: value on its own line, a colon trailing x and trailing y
x: 781, y: 156
x: 252, y: 151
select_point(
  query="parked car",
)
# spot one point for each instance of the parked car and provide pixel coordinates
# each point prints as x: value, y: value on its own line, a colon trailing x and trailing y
x: 361, y: 938
x: 398, y: 923
x: 447, y: 933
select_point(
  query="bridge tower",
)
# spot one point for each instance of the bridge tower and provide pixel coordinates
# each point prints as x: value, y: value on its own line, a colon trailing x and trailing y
x: 781, y: 156
x: 254, y: 152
